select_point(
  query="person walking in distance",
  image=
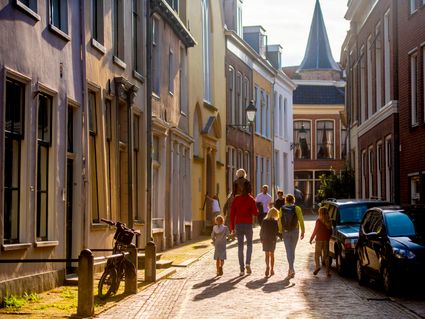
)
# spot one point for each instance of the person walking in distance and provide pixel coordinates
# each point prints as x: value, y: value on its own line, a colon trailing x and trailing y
x: 322, y: 231
x: 219, y: 237
x: 268, y: 235
x: 242, y: 212
x: 280, y: 201
x: 290, y: 221
x: 215, y: 207
x: 265, y: 199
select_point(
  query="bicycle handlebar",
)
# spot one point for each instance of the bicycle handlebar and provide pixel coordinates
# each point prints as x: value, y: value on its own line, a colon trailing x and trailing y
x: 109, y: 222
x: 112, y: 223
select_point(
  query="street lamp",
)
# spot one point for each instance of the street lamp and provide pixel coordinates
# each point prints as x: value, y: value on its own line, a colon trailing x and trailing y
x: 250, y: 111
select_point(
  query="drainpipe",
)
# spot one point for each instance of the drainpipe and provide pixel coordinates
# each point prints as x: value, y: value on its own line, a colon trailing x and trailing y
x: 84, y: 130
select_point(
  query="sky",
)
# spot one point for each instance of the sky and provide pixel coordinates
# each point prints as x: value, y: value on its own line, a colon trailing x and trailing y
x: 287, y: 22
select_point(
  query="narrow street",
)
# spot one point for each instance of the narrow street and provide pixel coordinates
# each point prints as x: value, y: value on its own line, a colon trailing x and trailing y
x: 195, y: 292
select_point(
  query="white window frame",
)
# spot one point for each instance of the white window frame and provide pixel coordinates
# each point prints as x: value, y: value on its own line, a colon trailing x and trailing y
x: 363, y: 85
x: 412, y: 6
x: 378, y: 67
x: 388, y: 167
x: 413, y: 62
x: 379, y: 153
x: 363, y: 172
x: 369, y: 77
x: 206, y: 50
x: 370, y: 170
x: 387, y: 57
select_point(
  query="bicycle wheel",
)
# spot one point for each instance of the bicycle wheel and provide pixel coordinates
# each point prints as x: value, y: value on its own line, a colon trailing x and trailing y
x: 107, y: 283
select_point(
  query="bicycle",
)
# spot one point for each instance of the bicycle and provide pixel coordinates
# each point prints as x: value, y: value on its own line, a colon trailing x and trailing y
x: 117, y: 268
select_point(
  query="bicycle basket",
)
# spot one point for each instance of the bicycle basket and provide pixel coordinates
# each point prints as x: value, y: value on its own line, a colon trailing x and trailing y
x: 124, y: 235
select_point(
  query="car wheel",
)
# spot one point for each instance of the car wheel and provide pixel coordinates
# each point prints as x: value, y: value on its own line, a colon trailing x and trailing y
x: 339, y: 264
x: 387, y: 280
x: 361, y: 276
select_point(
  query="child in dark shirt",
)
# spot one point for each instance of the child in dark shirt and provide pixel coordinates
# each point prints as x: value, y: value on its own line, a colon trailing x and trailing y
x: 322, y: 232
x: 268, y: 233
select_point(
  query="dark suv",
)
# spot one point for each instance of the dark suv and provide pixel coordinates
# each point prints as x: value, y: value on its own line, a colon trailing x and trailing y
x: 346, y: 215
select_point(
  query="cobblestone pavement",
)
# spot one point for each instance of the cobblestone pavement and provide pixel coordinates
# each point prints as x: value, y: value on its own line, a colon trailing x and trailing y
x: 195, y: 292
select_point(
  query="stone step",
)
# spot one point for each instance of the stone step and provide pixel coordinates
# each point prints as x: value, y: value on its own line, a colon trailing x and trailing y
x: 141, y: 259
x: 186, y: 263
x: 163, y: 263
x: 71, y: 280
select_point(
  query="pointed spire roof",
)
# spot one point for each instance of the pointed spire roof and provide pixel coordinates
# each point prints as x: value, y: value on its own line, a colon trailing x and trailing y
x: 318, y: 54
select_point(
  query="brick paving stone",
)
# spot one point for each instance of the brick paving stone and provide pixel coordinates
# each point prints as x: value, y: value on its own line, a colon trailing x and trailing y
x: 195, y: 292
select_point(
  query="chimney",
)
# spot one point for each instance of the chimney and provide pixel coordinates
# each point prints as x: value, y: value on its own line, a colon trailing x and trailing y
x: 256, y: 37
x: 274, y: 55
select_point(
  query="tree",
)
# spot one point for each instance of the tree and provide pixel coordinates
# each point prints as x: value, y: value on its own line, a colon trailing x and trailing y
x: 334, y: 185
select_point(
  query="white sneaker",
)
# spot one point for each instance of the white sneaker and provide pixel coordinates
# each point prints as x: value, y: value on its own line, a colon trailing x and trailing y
x: 242, y: 273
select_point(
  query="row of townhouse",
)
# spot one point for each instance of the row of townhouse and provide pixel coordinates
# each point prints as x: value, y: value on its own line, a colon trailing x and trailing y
x: 74, y: 93
x: 383, y: 55
x: 254, y: 72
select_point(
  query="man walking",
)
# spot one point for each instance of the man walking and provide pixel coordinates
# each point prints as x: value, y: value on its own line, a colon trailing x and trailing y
x: 242, y: 211
x: 265, y: 199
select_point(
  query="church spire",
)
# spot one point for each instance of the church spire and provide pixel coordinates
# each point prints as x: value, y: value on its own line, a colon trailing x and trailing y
x: 318, y: 55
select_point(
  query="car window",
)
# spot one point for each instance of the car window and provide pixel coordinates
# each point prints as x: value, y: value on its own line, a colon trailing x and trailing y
x: 367, y: 222
x: 352, y: 213
x: 376, y: 223
x: 399, y: 225
x: 331, y: 212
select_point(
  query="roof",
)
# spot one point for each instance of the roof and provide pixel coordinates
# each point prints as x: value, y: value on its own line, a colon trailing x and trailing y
x: 318, y: 54
x: 319, y: 94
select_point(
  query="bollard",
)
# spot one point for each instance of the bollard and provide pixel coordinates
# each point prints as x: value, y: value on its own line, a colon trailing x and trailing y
x: 85, y: 284
x: 150, y: 262
x: 131, y: 276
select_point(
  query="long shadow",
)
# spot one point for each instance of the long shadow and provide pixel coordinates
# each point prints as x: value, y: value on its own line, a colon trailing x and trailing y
x: 235, y: 244
x: 216, y: 289
x: 256, y: 284
x: 278, y: 285
x: 205, y: 283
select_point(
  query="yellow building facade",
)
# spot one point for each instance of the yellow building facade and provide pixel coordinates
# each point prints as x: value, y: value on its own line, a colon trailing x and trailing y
x: 207, y: 107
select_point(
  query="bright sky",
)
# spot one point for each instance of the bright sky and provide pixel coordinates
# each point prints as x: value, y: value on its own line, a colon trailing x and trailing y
x: 287, y: 22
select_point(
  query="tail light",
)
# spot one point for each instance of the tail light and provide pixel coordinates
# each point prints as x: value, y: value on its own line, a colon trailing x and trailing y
x: 350, y: 243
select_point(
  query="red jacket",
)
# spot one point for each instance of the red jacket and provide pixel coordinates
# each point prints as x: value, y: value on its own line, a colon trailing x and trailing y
x: 321, y: 232
x: 242, y: 210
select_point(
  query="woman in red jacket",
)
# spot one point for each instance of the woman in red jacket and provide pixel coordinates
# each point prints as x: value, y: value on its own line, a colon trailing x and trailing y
x: 322, y: 232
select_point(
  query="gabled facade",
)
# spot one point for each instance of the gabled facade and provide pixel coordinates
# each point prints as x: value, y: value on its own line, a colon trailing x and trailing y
x: 369, y: 56
x: 207, y: 107
x: 319, y: 132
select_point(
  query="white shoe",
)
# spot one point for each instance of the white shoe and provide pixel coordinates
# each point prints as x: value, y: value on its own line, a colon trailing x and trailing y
x: 242, y: 273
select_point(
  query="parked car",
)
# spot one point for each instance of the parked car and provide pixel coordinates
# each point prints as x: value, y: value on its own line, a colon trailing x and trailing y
x: 346, y: 215
x: 389, y: 249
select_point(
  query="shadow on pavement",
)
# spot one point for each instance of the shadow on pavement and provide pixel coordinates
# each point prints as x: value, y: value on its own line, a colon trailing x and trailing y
x: 235, y: 243
x: 205, y: 283
x: 216, y: 289
x: 278, y: 285
x: 256, y: 284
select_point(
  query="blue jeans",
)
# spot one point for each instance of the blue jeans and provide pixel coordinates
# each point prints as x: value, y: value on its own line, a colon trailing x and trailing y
x: 244, y: 230
x: 290, y: 239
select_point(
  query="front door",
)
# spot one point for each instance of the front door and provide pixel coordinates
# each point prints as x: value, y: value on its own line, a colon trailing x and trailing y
x: 69, y: 212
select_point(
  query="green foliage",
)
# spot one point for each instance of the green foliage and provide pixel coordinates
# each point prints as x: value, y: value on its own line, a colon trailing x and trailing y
x: 16, y: 302
x: 340, y: 185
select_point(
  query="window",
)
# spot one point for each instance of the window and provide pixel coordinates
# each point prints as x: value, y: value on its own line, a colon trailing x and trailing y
x: 325, y: 139
x: 59, y: 14
x: 44, y: 136
x: 388, y: 169
x: 285, y: 121
x: 415, y: 189
x: 108, y: 135
x: 206, y: 49
x: 156, y: 66
x: 378, y: 67
x: 174, y: 4
x: 183, y: 81
x: 413, y: 90
x: 379, y: 170
x: 117, y: 29
x: 171, y: 72
x: 13, y: 135
x: 369, y: 77
x: 281, y: 117
x: 136, y: 36
x: 258, y: 113
x: 196, y: 132
x: 263, y: 113
x: 246, y: 98
x: 413, y: 6
x: 232, y: 95
x: 371, y: 171
x: 137, y: 160
x: 268, y: 122
x: 302, y: 140
x: 239, y: 24
x: 362, y: 86
x: 27, y: 4
x: 387, y: 62
x: 97, y: 20
x: 344, y: 138
x: 239, y: 100
x: 93, y: 161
